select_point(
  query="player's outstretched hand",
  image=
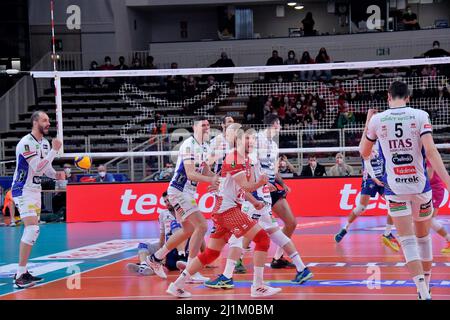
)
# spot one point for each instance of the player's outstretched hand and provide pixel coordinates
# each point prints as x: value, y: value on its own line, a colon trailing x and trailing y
x: 56, y: 144
x: 258, y: 205
x: 378, y: 182
x: 215, y: 182
x: 263, y: 179
x: 287, y: 189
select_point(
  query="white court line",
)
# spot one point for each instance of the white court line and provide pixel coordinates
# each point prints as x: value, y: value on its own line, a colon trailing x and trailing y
x: 70, y: 275
x: 302, y: 294
x: 269, y: 280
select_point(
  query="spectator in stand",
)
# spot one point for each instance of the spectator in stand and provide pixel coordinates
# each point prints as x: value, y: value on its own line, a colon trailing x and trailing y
x: 103, y: 175
x: 68, y: 172
x: 323, y: 57
x: 285, y: 168
x: 291, y: 60
x: 274, y: 60
x: 167, y: 173
x: 93, y: 82
x: 409, y: 19
x: 107, y: 82
x: 308, y: 25
x: 310, y: 121
x: 340, y: 169
x: 313, y: 169
x: 443, y: 92
x: 190, y: 87
x: 175, y: 84
x: 436, y: 52
x: 306, y: 59
x: 377, y: 74
x: 121, y: 65
x: 292, y: 117
x: 429, y: 71
x: 224, y: 62
x: 345, y: 116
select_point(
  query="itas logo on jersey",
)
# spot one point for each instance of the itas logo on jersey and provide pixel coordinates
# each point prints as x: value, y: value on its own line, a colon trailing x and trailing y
x: 400, y: 144
x: 410, y: 180
x: 405, y: 170
x: 400, y: 159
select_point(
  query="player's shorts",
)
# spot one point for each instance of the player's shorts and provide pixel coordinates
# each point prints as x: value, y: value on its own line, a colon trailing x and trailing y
x: 370, y: 188
x: 419, y: 205
x: 183, y: 203
x: 438, y: 196
x: 277, y: 195
x: 263, y: 216
x: 232, y: 221
x: 28, y: 204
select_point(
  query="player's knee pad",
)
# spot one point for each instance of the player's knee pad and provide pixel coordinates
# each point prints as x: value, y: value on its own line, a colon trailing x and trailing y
x: 208, y: 256
x: 425, y: 248
x: 262, y: 241
x: 359, y: 209
x: 279, y: 238
x: 234, y: 242
x: 30, y: 234
x: 143, y: 247
x: 435, y: 224
x: 410, y: 250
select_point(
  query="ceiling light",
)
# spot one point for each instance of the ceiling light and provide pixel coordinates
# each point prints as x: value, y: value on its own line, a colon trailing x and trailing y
x: 299, y: 7
x: 291, y: 4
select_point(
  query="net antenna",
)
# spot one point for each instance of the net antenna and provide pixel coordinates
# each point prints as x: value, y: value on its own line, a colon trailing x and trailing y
x: 360, y: 65
x: 57, y: 81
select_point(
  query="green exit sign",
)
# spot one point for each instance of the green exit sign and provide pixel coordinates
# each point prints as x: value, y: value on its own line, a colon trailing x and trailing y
x: 383, y: 51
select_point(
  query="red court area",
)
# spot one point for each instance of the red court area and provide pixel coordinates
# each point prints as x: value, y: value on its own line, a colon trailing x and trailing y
x: 360, y: 267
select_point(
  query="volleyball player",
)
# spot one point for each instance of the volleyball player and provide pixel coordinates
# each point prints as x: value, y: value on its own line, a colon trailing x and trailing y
x: 191, y: 168
x: 438, y: 190
x: 373, y: 170
x: 236, y: 179
x: 407, y: 131
x: 34, y: 158
x: 267, y: 151
x: 258, y: 207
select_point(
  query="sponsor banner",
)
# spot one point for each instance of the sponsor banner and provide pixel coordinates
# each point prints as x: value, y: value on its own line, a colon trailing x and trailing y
x: 98, y: 250
x: 143, y: 201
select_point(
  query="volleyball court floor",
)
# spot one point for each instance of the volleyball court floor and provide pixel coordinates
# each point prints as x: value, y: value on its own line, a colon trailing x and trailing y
x: 360, y: 267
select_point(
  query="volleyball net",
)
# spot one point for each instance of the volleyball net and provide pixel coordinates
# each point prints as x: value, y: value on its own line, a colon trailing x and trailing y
x: 322, y: 106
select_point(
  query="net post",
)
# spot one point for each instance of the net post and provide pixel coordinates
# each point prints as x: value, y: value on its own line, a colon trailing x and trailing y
x: 59, y: 117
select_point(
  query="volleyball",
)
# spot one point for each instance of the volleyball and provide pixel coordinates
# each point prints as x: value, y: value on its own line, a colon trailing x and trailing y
x: 83, y: 162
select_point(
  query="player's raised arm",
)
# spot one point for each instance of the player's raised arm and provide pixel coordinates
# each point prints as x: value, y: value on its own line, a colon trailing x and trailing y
x: 248, y: 186
x: 41, y: 166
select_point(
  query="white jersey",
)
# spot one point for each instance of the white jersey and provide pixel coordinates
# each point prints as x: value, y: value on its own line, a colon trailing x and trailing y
x: 263, y: 193
x: 25, y: 178
x: 267, y: 153
x: 398, y: 131
x: 191, y: 150
x: 219, y: 148
x: 166, y: 221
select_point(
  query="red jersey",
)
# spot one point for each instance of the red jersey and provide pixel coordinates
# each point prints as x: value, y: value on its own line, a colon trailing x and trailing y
x: 230, y: 194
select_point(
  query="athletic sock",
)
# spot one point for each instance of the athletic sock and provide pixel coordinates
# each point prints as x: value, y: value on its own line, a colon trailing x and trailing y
x: 297, y: 261
x: 278, y: 253
x: 229, y: 268
x: 388, y: 229
x: 162, y: 253
x: 181, y: 281
x: 427, y: 275
x: 258, y: 276
x: 20, y: 271
x: 422, y: 287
